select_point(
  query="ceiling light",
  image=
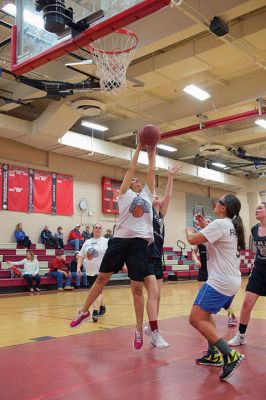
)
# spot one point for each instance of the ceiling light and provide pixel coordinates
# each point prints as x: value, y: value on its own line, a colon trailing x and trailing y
x: 10, y: 9
x: 29, y: 17
x: 166, y: 147
x: 220, y: 165
x: 196, y: 92
x: 97, y: 127
x: 261, y: 122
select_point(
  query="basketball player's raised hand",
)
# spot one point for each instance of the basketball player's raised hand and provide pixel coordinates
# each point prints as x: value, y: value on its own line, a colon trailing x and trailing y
x: 151, y: 151
x: 176, y: 168
x: 201, y: 221
x: 140, y: 146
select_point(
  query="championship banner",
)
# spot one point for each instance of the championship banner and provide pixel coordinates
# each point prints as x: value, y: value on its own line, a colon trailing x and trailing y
x: 28, y: 190
x: 110, y: 191
x: 63, y: 194
x: 18, y: 189
x: 42, y: 192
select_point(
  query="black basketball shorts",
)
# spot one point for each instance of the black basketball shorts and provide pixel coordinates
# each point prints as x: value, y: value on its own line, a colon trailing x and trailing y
x: 132, y: 252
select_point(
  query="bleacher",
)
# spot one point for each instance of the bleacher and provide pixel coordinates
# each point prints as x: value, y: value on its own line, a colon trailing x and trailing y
x: 178, y: 266
x: 13, y: 252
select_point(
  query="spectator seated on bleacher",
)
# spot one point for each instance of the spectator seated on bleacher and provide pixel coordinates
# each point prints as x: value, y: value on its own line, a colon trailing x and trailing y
x: 48, y: 239
x: 74, y: 274
x: 21, y: 237
x: 59, y: 236
x: 75, y: 238
x: 108, y: 234
x: 86, y: 234
x: 30, y: 270
x: 59, y: 270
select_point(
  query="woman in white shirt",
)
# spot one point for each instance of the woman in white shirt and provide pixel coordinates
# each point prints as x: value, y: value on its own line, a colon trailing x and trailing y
x: 129, y: 245
x: 223, y: 237
x: 30, y: 270
x: 92, y: 253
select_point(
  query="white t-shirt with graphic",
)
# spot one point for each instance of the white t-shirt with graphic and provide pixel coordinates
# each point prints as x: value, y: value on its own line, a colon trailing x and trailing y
x: 92, y: 252
x: 223, y: 261
x: 135, y: 215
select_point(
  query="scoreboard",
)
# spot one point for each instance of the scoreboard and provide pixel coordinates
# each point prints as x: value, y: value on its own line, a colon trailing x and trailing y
x: 110, y: 190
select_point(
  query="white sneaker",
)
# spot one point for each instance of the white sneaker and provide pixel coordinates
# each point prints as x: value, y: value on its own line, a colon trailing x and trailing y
x: 147, y: 330
x: 157, y: 340
x: 237, y: 340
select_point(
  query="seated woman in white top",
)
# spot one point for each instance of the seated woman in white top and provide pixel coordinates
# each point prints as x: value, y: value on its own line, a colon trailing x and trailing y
x: 30, y: 270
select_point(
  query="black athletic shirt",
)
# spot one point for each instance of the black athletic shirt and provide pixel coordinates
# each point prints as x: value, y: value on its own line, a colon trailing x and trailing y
x: 203, y: 255
x: 260, y: 243
x: 156, y: 248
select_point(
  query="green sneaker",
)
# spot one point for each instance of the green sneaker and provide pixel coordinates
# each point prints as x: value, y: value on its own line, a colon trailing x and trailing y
x: 211, y: 359
x: 231, y: 363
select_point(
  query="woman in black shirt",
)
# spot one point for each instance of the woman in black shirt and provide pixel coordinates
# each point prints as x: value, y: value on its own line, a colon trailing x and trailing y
x: 256, y: 285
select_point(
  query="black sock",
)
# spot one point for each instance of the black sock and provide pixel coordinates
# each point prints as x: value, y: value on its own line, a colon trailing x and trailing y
x: 242, y: 328
x: 211, y: 348
x: 222, y: 345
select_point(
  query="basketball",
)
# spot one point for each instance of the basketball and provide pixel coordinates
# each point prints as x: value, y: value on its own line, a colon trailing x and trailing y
x: 150, y: 135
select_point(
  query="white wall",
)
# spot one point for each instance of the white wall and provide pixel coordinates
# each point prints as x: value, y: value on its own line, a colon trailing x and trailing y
x: 87, y: 184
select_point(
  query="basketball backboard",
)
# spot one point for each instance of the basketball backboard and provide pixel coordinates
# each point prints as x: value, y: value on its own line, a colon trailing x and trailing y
x: 34, y: 41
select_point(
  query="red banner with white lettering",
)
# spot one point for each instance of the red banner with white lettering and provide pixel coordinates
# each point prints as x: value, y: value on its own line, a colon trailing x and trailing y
x: 18, y: 188
x: 42, y: 192
x: 28, y: 190
x: 64, y: 194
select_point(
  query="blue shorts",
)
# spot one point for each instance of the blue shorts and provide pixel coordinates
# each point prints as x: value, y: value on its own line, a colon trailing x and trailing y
x: 210, y: 300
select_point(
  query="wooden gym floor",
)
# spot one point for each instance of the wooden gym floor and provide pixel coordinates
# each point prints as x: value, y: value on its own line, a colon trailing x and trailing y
x: 43, y: 359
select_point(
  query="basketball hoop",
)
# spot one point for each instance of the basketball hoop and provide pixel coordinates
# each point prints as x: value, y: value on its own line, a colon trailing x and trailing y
x: 112, y: 54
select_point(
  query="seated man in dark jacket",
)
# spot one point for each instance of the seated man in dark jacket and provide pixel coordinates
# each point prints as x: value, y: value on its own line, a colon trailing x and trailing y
x: 75, y: 274
x: 48, y: 239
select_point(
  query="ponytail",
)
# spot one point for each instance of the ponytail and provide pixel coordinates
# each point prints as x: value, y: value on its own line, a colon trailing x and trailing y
x: 233, y: 207
x: 239, y: 228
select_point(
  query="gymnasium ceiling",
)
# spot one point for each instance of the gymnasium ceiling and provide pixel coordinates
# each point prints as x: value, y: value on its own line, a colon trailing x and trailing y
x: 176, y: 49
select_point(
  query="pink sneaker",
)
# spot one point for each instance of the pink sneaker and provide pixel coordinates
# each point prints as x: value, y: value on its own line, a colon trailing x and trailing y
x: 138, y: 340
x: 80, y: 319
x: 232, y: 321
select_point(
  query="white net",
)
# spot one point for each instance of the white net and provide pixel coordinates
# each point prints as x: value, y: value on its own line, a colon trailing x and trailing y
x: 112, y: 54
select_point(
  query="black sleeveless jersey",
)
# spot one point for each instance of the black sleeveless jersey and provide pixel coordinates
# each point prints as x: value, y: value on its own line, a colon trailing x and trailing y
x: 260, y: 243
x: 203, y: 255
x: 156, y: 248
